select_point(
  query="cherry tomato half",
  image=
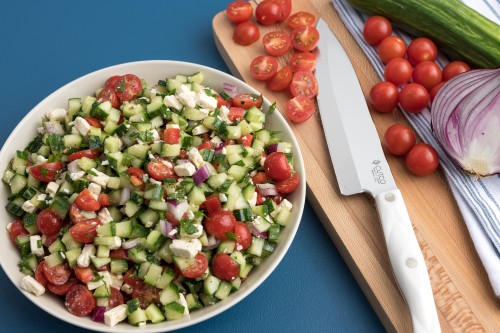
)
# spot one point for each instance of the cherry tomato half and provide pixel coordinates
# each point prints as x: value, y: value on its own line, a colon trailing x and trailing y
x: 128, y: 87
x: 239, y: 11
x: 86, y: 201
x: 277, y: 167
x: 281, y: 80
x: 427, y: 73
x: 197, y: 268
x: 246, y: 33
x: 384, y: 96
x: 398, y: 71
x: 94, y: 122
x: 57, y: 275
x: 246, y: 101
x: 48, y: 222
x: 399, y: 139
x: 243, y: 235
x: 267, y: 12
x: 276, y: 43
x: 85, y: 231
x: 303, y: 61
x: 224, y: 267
x: 17, y: 229
x: 421, y: 49
x: 454, y: 68
x: 414, y: 97
x: 301, y: 18
x: 376, y: 29
x: 80, y: 301
x: 422, y: 159
x: 305, y: 38
x: 391, y: 47
x: 300, y: 108
x: 160, y: 170
x: 263, y: 68
x: 88, y: 153
x: 288, y: 185
x: 46, y: 172
x: 304, y: 84
x: 108, y: 94
x: 434, y: 91
x: 219, y: 224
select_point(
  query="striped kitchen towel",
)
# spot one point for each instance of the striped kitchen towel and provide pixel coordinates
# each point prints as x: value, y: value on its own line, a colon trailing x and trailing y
x: 478, y: 199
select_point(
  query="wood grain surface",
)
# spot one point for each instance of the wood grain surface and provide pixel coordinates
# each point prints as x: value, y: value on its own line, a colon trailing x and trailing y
x: 462, y: 292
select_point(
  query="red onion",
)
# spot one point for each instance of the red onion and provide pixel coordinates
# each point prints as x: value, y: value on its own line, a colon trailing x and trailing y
x: 229, y: 89
x: 267, y: 190
x: 272, y: 148
x: 178, y: 209
x: 256, y: 232
x: 98, y: 315
x: 219, y: 148
x: 212, y: 243
x: 465, y: 119
x: 166, y: 228
x: 201, y: 174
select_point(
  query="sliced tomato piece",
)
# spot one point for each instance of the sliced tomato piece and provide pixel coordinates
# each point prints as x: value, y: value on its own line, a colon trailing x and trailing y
x: 119, y: 253
x: 75, y: 214
x: 246, y: 140
x: 246, y: 101
x: 17, y: 229
x: 128, y: 87
x: 85, y: 231
x: 57, y: 275
x: 48, y: 222
x: 305, y: 38
x: 197, y: 268
x: 94, y: 122
x: 263, y: 68
x: 88, y: 153
x: 281, y: 80
x: 288, y: 185
x: 84, y: 274
x: 239, y: 11
x: 260, y: 177
x: 224, y: 267
x: 212, y: 205
x: 303, y: 61
x: 172, y: 135
x: 115, y: 299
x: 304, y: 84
x: 276, y: 43
x: 301, y: 18
x: 108, y: 94
x: 86, y: 201
x: 159, y: 170
x: 40, y: 273
x: 243, y: 235
x: 63, y: 288
x: 79, y: 301
x: 136, y: 176
x: 220, y: 224
x: 236, y: 113
x: 104, y: 200
x: 285, y: 9
x: 112, y: 82
x: 300, y: 108
x: 205, y: 145
x: 46, y: 172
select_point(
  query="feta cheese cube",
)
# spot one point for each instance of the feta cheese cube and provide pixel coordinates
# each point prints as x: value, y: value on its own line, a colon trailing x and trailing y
x: 41, y: 197
x: 36, y: 245
x: 82, y: 126
x: 172, y: 102
x: 57, y: 114
x: 224, y: 114
x: 205, y: 101
x: 127, y: 289
x: 88, y: 214
x: 115, y: 315
x: 195, y: 157
x: 116, y: 281
x: 105, y: 216
x: 52, y: 188
x: 183, y: 302
x: 185, y: 169
x: 76, y: 175
x: 98, y: 177
x: 186, y: 96
x: 196, y: 234
x: 40, y: 159
x: 83, y: 259
x: 105, y: 162
x: 117, y: 243
x: 95, y: 190
x: 28, y: 207
x: 222, y: 197
x: 95, y: 284
x: 31, y: 285
x: 185, y: 248
x: 216, y: 141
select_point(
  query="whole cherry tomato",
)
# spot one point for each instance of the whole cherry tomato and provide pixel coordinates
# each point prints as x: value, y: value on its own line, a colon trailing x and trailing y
x: 422, y: 159
x: 376, y: 29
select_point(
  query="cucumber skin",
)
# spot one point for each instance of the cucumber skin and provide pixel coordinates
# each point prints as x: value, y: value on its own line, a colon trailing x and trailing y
x: 459, y: 30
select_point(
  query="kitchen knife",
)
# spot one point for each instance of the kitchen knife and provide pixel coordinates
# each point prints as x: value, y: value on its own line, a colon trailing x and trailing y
x: 360, y: 166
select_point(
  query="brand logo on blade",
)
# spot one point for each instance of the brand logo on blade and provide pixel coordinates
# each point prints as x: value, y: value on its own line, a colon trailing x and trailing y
x: 377, y: 173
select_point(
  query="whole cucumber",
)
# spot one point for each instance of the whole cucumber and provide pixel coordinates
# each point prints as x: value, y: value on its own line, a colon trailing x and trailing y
x: 460, y: 31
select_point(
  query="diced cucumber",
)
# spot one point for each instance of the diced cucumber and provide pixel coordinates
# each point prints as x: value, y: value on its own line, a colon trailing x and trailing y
x: 72, y: 256
x: 18, y: 183
x: 153, y: 275
x: 196, y: 196
x: 138, y: 254
x: 196, y: 77
x: 154, y: 313
x: 171, y: 150
x: 102, y: 291
x: 211, y: 284
x: 169, y: 294
x: 108, y: 229
x: 99, y: 262
x: 118, y: 266
x: 137, y: 317
x: 72, y: 140
x: 123, y: 229
x: 253, y: 114
x: 226, y: 246
x: 154, y: 241
x: 193, y: 302
x: 70, y: 242
x: 139, y: 151
x: 166, y: 278
x: 87, y: 103
x: 237, y: 172
x: 256, y: 246
x: 86, y: 163
x: 174, y: 311
x: 102, y: 251
x: 112, y: 145
x: 54, y: 259
x: 224, y: 290
x: 57, y: 246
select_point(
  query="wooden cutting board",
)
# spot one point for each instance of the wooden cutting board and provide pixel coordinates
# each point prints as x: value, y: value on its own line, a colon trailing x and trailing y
x: 462, y: 292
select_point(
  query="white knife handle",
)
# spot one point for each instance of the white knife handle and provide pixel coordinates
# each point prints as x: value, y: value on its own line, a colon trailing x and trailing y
x: 407, y: 261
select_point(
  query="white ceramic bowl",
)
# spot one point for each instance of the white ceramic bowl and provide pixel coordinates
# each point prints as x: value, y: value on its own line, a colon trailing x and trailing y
x: 151, y: 71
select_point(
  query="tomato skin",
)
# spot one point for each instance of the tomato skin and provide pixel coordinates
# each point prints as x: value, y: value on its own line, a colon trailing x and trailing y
x: 277, y: 167
x: 398, y: 71
x: 46, y: 172
x: 303, y: 61
x: 84, y: 274
x: 276, y: 43
x: 48, y: 222
x: 391, y: 47
x: 160, y: 171
x: 85, y: 231
x: 108, y: 94
x: 129, y: 87
x: 94, y: 122
x: 267, y: 13
x: 80, y: 301
x: 88, y: 153
x: 376, y: 29
x: 246, y: 101
x: 305, y: 38
x: 86, y: 201
x: 384, y: 96
x: 414, y: 98
x: 454, y: 68
x: 421, y: 49
x: 104, y: 200
x: 17, y: 229
x: 422, y: 159
x: 75, y: 214
x: 224, y: 267
x: 239, y: 11
x: 299, y: 108
x: 246, y: 33
x: 63, y: 288
x: 285, y: 8
x: 198, y: 267
x: 263, y: 68
x: 281, y: 80
x: 119, y: 253
x: 288, y: 185
x: 434, y: 90
x: 304, y: 84
x: 246, y: 140
x: 260, y: 177
x: 243, y: 235
x: 301, y: 18
x: 136, y: 176
x: 427, y: 73
x: 399, y: 139
x: 57, y: 275
x: 212, y: 205
x: 219, y: 224
x: 115, y: 299
x: 40, y: 273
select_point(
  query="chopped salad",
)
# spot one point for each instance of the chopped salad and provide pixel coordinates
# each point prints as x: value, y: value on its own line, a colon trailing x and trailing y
x: 146, y: 202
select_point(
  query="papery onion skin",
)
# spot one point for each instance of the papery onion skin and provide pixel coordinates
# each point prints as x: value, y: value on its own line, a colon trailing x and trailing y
x: 465, y: 118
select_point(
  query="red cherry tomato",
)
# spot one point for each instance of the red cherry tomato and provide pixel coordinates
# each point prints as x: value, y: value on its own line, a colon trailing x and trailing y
x: 398, y: 71
x: 115, y: 299
x: 260, y: 177
x: 243, y: 235
x: 434, y: 91
x: 276, y: 43
x: 285, y: 8
x: 246, y: 101
x: 86, y: 201
x: 57, y: 275
x: 288, y: 185
x: 94, y: 122
x: 84, y: 274
x: 136, y: 176
x: 399, y: 139
x: 384, y: 96
x: 224, y: 267
x: 88, y: 153
x: 128, y: 87
x: 80, y: 301
x: 239, y: 11
x: 421, y: 49
x: 246, y: 33
x: 160, y: 171
x: 197, y: 268
x: 146, y: 294
x: 246, y: 140
x: 236, y: 113
x: 75, y: 214
x: 119, y: 253
x: 17, y: 229
x: 108, y: 94
x: 219, y: 224
x: 204, y: 145
x: 413, y: 98
x: 300, y: 108
x: 454, y: 68
x: 391, y: 47
x: 422, y: 159
x: 263, y: 68
x: 303, y: 61
x: 85, y: 231
x: 277, y: 167
x: 40, y: 273
x: 104, y: 200
x: 301, y: 18
x: 63, y: 288
x: 46, y: 172
x: 304, y: 84
x: 305, y: 38
x: 172, y: 135
x: 212, y: 205
x: 112, y: 82
x: 427, y: 73
x: 48, y: 222
x: 281, y: 80
x: 267, y: 12
x: 376, y: 29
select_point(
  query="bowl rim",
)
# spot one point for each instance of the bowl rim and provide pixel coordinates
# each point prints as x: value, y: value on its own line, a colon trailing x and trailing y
x: 214, y: 310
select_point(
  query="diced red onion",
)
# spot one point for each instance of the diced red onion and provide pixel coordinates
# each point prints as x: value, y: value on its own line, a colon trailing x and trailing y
x: 132, y: 243
x: 172, y: 202
x: 212, y: 243
x: 201, y: 174
x: 267, y: 189
x: 256, y: 232
x: 219, y: 148
x: 124, y: 196
x: 272, y: 148
x: 465, y: 119
x: 229, y: 89
x: 166, y: 228
x: 178, y: 210
x: 98, y: 314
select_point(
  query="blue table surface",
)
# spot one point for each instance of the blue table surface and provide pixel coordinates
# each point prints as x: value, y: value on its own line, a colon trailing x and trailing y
x: 46, y: 44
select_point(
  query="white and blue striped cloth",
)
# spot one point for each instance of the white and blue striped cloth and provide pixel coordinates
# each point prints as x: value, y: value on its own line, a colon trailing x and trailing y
x: 478, y: 199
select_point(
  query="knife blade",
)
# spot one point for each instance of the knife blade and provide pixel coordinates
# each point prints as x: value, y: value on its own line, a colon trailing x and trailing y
x: 360, y: 166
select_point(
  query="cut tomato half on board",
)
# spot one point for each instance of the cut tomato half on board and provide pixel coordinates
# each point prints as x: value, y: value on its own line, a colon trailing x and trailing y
x: 299, y: 109
x: 281, y: 80
x: 303, y: 61
x: 304, y: 84
x: 263, y: 68
x: 276, y: 43
x: 301, y: 18
x: 305, y: 38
